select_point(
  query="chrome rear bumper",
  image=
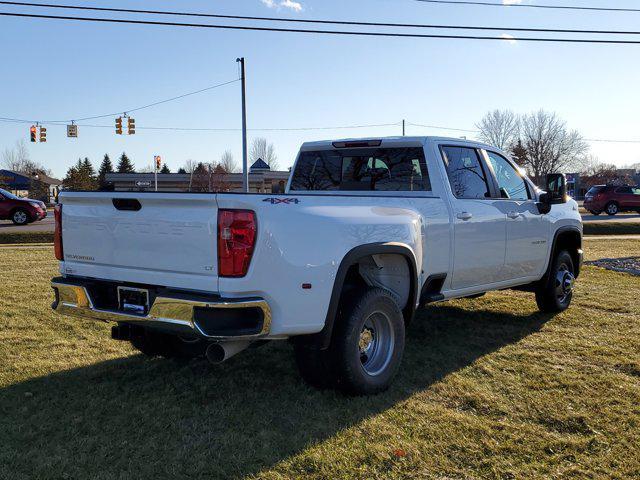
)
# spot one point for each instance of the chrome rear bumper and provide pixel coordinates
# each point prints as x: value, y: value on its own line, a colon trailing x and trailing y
x: 168, y: 311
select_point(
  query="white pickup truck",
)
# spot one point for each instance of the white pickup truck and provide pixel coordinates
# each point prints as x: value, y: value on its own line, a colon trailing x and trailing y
x: 367, y: 232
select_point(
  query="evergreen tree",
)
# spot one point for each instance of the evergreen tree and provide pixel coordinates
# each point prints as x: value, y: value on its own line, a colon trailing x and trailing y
x: 519, y: 154
x: 125, y: 165
x: 182, y: 170
x: 165, y: 169
x: 105, y: 167
x: 81, y: 176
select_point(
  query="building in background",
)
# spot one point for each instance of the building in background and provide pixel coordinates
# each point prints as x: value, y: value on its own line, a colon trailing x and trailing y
x: 38, y: 186
x: 579, y: 183
x: 261, y: 180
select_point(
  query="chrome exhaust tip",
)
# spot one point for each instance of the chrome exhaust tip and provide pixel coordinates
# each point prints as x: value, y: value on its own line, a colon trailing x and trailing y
x: 221, y: 352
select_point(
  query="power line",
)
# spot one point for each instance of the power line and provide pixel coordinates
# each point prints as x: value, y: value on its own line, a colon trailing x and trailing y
x: 323, y: 32
x: 594, y: 140
x: 123, y: 111
x: 526, y: 5
x: 442, y: 128
x: 322, y: 22
x: 206, y: 129
x: 289, y: 129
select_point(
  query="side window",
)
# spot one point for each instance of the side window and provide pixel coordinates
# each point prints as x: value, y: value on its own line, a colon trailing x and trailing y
x: 510, y: 182
x: 465, y: 172
x: 636, y: 190
x: 624, y: 190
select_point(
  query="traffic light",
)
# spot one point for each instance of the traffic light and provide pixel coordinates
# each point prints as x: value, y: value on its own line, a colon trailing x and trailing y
x: 158, y: 160
x: 43, y: 134
x: 119, y: 125
x: 131, y: 125
x: 32, y: 130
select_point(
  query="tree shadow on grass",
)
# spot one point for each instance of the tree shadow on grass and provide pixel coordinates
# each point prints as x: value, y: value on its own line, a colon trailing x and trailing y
x: 139, y: 418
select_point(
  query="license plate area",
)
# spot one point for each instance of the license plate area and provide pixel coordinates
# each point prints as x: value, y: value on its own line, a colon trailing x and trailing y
x: 133, y: 300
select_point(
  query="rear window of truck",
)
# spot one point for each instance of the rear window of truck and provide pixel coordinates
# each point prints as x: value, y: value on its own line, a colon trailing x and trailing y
x: 362, y: 169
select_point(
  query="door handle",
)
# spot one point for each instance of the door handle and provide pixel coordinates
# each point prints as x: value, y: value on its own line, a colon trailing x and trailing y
x: 465, y: 216
x: 514, y: 215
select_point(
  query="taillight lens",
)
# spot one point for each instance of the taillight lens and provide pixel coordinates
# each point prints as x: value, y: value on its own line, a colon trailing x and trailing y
x: 57, y: 235
x: 236, y: 240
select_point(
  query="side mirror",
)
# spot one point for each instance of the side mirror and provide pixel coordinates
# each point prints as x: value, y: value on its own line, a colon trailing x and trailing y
x: 544, y: 203
x: 556, y: 187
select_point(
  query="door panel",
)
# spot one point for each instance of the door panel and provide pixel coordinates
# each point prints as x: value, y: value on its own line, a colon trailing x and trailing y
x: 527, y: 236
x: 526, y: 230
x: 479, y: 224
x: 479, y: 243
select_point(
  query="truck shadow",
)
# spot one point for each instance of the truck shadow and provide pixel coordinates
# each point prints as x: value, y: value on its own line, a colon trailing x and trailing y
x: 134, y: 417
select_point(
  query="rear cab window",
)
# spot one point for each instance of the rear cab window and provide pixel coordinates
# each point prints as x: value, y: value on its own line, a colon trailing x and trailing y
x: 401, y: 169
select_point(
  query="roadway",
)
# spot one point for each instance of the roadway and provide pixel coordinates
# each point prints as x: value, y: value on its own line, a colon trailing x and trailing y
x: 45, y: 225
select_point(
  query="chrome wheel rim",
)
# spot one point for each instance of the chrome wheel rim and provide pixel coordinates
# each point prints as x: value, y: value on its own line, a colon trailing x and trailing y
x: 20, y: 217
x: 376, y: 343
x: 612, y: 208
x: 565, y: 282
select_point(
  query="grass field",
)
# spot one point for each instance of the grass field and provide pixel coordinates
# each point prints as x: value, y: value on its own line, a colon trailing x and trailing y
x: 489, y: 388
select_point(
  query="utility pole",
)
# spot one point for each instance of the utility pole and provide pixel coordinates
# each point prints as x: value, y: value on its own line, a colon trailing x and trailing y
x: 245, y: 169
x: 403, y: 127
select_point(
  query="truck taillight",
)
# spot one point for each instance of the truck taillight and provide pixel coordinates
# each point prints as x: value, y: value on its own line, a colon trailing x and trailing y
x: 236, y: 240
x: 57, y: 235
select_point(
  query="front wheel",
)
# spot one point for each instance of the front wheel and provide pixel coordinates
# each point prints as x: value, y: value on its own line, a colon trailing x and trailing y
x: 594, y: 212
x: 556, y: 293
x: 20, y: 217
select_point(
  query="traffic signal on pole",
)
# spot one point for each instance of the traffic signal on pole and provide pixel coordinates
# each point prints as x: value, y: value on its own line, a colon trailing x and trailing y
x: 131, y: 125
x: 43, y: 134
x: 158, y: 162
x: 119, y: 125
x: 32, y: 131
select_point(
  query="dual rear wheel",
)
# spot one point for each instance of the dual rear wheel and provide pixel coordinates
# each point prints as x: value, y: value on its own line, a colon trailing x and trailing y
x: 366, y: 347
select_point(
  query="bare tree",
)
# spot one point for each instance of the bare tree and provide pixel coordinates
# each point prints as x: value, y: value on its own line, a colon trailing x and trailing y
x: 227, y: 163
x: 500, y: 128
x: 260, y: 148
x: 603, y: 174
x: 18, y: 160
x: 550, y: 146
x: 190, y: 166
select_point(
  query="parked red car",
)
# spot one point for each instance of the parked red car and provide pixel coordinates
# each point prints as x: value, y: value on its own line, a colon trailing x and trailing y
x: 20, y: 210
x: 612, y: 200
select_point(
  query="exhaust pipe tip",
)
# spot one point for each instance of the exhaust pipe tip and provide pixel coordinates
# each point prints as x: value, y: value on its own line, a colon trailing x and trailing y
x: 219, y: 352
x: 215, y: 353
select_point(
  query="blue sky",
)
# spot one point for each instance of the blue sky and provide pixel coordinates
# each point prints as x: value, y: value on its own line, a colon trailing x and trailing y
x: 58, y: 70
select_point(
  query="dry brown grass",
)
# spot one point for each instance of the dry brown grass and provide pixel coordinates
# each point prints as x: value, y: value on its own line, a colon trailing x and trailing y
x: 489, y: 388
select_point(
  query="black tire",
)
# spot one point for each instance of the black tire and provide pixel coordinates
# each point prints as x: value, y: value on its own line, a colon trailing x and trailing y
x: 612, y: 209
x: 356, y: 371
x: 20, y: 216
x: 157, y: 344
x: 594, y: 212
x: 555, y: 295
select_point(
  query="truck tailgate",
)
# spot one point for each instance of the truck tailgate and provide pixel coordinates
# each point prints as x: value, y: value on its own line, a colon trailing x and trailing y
x: 158, y: 238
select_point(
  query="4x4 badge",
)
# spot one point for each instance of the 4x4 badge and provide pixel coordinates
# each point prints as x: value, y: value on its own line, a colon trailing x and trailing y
x: 286, y: 201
